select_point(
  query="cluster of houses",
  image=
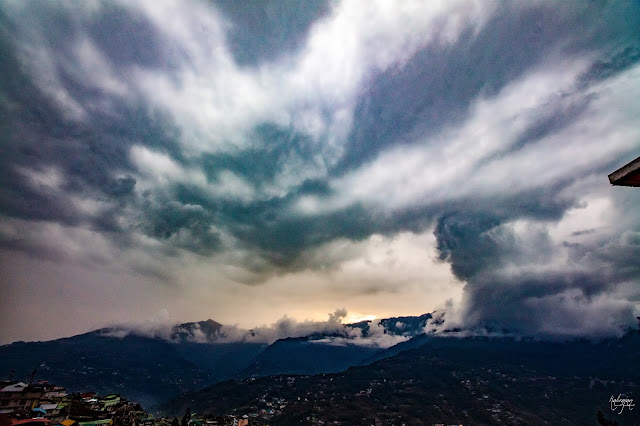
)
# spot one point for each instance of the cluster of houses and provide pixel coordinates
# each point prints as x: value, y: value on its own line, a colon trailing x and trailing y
x: 229, y: 420
x: 44, y: 404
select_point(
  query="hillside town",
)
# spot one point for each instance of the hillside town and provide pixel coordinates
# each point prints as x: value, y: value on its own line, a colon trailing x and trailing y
x: 44, y: 404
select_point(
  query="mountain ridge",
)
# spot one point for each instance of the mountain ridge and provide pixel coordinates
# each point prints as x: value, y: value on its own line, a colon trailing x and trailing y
x: 451, y: 380
x: 154, y: 363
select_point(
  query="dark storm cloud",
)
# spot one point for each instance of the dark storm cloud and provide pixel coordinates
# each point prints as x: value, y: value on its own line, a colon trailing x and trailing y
x: 113, y: 122
x: 89, y: 154
x: 268, y: 29
x: 127, y: 38
x: 474, y: 239
x: 274, y: 146
x: 124, y: 35
x: 504, y: 294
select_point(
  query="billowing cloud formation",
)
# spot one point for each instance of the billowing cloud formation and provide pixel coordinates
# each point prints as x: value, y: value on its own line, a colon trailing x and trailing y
x: 161, y: 138
x: 332, y: 331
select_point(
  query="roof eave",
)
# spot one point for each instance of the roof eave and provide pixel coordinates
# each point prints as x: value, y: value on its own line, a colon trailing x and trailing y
x: 627, y: 175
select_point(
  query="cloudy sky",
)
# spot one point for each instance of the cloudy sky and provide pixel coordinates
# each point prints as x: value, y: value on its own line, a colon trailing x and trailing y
x: 242, y: 161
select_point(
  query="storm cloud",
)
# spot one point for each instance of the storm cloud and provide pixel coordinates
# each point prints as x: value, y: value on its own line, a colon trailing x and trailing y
x: 352, y: 149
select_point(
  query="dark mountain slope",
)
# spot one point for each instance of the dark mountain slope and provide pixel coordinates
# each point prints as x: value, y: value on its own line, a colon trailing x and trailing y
x: 412, y: 343
x: 221, y: 361
x: 450, y: 380
x: 307, y: 356
x: 150, y: 366
x: 140, y: 368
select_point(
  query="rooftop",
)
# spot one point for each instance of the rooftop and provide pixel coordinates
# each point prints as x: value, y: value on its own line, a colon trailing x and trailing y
x: 628, y: 175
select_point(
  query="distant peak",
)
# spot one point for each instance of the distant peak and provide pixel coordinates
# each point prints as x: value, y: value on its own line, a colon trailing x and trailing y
x: 197, y: 331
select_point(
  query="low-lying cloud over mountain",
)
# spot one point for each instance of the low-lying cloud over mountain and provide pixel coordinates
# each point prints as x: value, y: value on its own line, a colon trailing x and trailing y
x: 220, y: 160
x: 377, y: 333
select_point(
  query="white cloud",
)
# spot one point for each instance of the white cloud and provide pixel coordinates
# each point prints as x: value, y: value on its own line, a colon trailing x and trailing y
x: 449, y: 165
x: 48, y: 179
x: 158, y: 171
x: 159, y: 166
x: 96, y: 69
x: 161, y: 327
x: 217, y: 103
x: 457, y: 163
x: 589, y: 220
x: 230, y: 185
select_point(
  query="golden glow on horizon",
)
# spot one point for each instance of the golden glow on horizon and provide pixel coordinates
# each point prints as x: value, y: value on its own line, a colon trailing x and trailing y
x: 357, y: 317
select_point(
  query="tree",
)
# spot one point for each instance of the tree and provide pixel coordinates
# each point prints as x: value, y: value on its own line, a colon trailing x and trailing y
x: 187, y: 417
x: 604, y: 421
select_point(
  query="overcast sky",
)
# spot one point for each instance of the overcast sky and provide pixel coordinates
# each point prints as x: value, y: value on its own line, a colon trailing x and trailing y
x: 243, y: 161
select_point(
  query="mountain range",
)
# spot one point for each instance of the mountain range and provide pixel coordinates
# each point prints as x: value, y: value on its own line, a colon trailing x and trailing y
x: 351, y: 373
x: 447, y: 380
x: 152, y: 365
